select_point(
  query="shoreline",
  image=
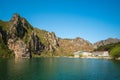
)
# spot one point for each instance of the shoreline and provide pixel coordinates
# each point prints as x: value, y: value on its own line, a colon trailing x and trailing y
x: 110, y: 58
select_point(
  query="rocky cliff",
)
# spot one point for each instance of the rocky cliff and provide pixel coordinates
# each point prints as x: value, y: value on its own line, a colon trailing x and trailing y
x: 23, y: 40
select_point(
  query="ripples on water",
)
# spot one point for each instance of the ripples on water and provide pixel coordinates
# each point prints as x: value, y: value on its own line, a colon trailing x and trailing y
x: 59, y: 69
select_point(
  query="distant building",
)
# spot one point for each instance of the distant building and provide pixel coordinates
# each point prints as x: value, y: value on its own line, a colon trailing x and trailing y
x: 101, y: 53
x: 82, y: 54
x: 76, y: 54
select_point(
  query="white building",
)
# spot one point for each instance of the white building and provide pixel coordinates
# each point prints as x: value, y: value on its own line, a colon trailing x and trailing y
x: 82, y: 54
x: 77, y: 54
x: 101, y: 53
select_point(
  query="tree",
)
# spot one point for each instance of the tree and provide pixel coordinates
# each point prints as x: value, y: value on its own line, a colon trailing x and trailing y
x: 115, y: 52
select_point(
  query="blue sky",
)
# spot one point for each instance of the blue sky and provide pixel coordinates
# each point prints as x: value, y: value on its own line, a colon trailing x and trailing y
x: 92, y: 20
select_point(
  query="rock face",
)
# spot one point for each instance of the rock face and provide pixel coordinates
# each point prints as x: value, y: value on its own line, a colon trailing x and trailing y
x: 19, y: 48
x: 24, y: 40
x: 105, y: 42
x: 17, y: 27
x: 35, y: 45
x: 17, y: 31
x: 3, y: 35
x: 72, y: 45
x: 52, y: 41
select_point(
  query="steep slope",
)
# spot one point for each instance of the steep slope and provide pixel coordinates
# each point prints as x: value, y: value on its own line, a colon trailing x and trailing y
x: 70, y: 46
x: 4, y: 50
x: 23, y: 40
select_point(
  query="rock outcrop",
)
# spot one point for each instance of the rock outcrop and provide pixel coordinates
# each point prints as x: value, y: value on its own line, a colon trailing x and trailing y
x: 17, y: 30
x: 17, y: 27
x: 3, y: 35
x: 19, y: 48
x: 52, y: 41
x: 35, y: 45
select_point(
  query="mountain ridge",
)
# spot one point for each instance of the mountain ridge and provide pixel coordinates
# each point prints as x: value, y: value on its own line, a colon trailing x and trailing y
x: 21, y: 39
x: 106, y: 41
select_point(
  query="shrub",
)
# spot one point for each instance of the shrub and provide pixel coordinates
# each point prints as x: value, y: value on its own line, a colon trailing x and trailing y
x: 115, y: 52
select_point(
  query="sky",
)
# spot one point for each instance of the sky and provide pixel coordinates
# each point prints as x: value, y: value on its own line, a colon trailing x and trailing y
x: 92, y: 20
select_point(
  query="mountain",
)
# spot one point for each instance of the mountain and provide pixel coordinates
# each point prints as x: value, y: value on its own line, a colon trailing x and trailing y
x: 19, y: 38
x: 105, y: 42
x: 107, y: 47
x: 70, y: 46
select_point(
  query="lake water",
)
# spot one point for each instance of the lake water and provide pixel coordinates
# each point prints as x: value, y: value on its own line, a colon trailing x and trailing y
x: 59, y: 69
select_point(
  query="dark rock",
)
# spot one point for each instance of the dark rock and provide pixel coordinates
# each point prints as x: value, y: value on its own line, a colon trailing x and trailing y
x: 16, y: 27
x: 35, y: 45
x: 3, y: 35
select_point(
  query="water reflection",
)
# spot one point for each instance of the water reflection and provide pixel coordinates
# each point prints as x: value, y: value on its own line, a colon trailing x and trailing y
x: 59, y: 69
x: 3, y: 69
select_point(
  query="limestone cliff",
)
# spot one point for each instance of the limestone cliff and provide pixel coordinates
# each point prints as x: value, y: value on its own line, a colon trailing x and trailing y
x: 35, y: 45
x: 19, y: 48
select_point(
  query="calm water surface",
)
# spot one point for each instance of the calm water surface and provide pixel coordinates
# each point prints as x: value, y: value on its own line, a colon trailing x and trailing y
x: 59, y: 69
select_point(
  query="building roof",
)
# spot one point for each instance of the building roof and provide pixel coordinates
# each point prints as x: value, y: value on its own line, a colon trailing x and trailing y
x: 100, y: 52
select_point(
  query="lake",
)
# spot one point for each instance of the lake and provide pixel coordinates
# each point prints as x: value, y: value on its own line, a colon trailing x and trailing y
x: 59, y: 69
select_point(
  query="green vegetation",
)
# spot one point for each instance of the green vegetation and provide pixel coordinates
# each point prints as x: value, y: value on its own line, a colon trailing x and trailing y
x: 115, y: 52
x: 27, y: 35
x: 80, y: 55
x: 107, y: 47
x: 41, y: 34
x: 4, y: 51
x: 72, y: 55
x: 4, y: 25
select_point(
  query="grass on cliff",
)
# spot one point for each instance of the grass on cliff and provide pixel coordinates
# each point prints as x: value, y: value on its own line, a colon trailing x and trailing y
x: 26, y: 38
x: 4, y: 25
x: 41, y: 34
x: 4, y: 51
